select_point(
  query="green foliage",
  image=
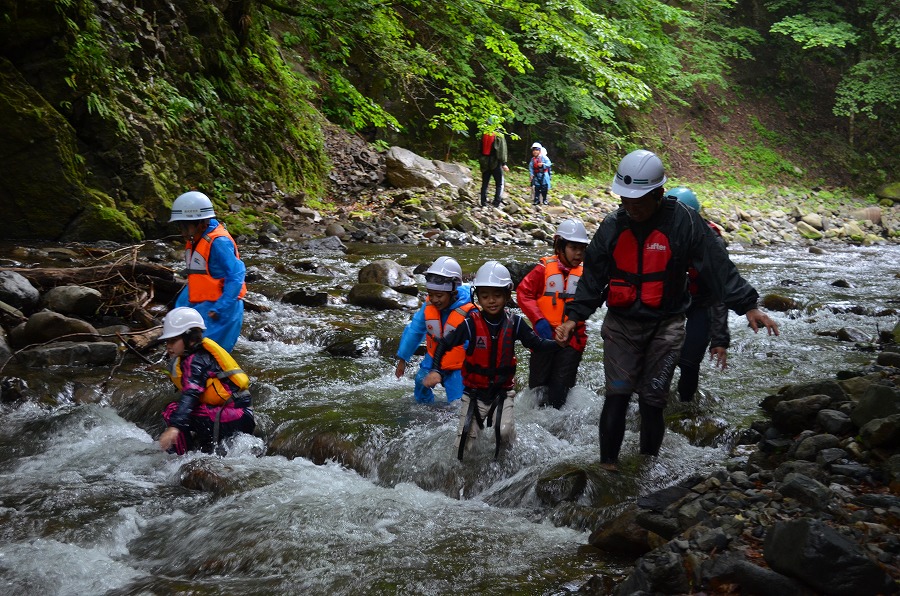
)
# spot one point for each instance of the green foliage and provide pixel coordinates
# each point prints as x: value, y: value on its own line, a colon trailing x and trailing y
x: 811, y: 32
x: 870, y: 87
x: 861, y: 40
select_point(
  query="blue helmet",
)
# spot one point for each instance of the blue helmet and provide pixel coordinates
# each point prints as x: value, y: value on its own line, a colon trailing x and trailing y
x: 685, y: 195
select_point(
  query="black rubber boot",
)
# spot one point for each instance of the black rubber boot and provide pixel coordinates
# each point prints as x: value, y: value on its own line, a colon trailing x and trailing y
x: 612, y: 427
x: 653, y: 429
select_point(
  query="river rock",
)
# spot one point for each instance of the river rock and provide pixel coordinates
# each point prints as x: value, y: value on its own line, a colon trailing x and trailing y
x: 304, y: 297
x: 68, y: 353
x: 47, y: 325
x: 387, y: 272
x: 813, y: 220
x: 17, y: 291
x: 816, y: 554
x: 879, y: 401
x: 890, y: 191
x: 779, y: 303
x: 380, y: 297
x: 73, y: 300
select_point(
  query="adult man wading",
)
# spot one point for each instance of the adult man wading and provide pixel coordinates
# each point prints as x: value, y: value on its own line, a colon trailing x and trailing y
x: 637, y: 262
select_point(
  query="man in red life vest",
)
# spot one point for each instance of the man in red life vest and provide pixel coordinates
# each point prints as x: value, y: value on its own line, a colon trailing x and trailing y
x: 214, y: 269
x: 637, y: 263
x: 492, y: 160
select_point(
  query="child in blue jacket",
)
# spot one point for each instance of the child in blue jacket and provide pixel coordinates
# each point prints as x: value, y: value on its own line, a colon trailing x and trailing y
x: 448, y: 302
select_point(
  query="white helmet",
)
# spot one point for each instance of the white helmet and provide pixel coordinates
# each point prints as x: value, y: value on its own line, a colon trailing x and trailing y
x: 443, y: 275
x: 192, y: 206
x: 573, y: 231
x: 537, y: 146
x: 639, y: 172
x: 179, y: 320
x: 493, y: 275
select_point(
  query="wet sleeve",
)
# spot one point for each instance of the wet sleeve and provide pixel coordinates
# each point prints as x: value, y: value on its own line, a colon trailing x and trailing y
x: 412, y: 335
x: 719, y: 334
x: 459, y: 336
x: 718, y: 271
x: 591, y: 290
x: 528, y: 291
x: 193, y: 382
x: 224, y: 264
x: 532, y: 340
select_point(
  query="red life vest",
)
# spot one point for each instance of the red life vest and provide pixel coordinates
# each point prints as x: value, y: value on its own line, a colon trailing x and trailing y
x: 453, y: 358
x: 693, y: 284
x: 644, y: 270
x: 487, y: 143
x: 537, y: 165
x: 490, y: 364
x: 202, y: 286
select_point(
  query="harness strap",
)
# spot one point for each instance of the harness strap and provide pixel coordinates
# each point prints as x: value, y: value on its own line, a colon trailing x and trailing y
x: 497, y: 405
x: 227, y: 373
x: 471, y: 413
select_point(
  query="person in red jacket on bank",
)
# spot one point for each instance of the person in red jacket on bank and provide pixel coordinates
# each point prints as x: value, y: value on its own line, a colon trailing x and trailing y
x: 542, y: 295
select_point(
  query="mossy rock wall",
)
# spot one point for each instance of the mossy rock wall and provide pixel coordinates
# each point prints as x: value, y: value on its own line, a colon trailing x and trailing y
x: 109, y: 110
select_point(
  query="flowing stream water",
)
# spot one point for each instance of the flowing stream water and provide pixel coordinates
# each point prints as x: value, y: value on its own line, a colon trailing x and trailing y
x: 90, y: 505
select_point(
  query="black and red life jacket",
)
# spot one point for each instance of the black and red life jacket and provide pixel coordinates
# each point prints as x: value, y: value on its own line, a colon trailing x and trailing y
x: 537, y: 165
x: 490, y: 364
x: 644, y: 268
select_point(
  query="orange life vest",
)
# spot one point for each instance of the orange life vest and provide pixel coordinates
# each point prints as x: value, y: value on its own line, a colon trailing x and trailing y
x: 453, y: 358
x: 490, y: 364
x: 559, y: 288
x: 202, y: 286
x: 216, y: 392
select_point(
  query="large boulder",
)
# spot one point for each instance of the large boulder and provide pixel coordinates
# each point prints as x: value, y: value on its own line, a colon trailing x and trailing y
x: 405, y: 169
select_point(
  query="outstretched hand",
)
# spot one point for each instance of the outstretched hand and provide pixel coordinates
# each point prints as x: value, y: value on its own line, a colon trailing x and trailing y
x: 757, y: 318
x: 401, y: 368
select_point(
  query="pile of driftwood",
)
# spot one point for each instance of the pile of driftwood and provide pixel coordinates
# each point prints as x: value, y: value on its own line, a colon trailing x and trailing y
x: 128, y: 286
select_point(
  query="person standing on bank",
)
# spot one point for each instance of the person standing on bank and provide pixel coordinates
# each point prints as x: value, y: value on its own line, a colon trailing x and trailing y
x: 542, y: 295
x: 706, y: 321
x: 492, y: 160
x: 214, y: 269
x: 539, y: 169
x: 637, y: 262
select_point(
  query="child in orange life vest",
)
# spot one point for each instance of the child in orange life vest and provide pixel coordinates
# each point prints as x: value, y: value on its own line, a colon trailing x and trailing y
x: 215, y: 402
x: 542, y: 295
x: 489, y: 369
x: 448, y: 302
